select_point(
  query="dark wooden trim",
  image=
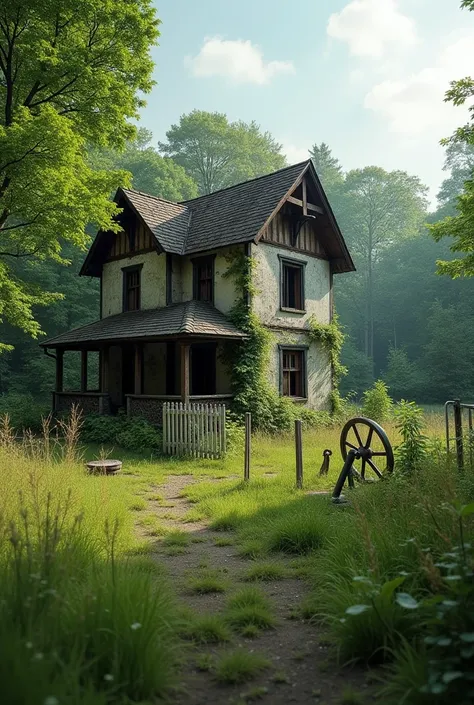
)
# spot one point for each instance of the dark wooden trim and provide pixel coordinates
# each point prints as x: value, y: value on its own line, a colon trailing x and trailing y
x: 294, y: 249
x: 138, y: 368
x: 292, y: 263
x: 309, y: 206
x: 125, y: 270
x: 101, y: 294
x: 170, y: 367
x: 169, y: 278
x: 104, y: 377
x: 196, y: 262
x: 184, y: 378
x: 297, y: 348
x: 130, y: 255
x: 83, y: 370
x: 59, y: 370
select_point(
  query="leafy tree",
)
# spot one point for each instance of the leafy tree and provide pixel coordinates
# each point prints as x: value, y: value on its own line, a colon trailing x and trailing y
x: 327, y: 167
x: 460, y: 227
x: 217, y: 153
x: 150, y: 172
x: 379, y: 209
x: 360, y: 373
x: 69, y: 72
x: 402, y: 375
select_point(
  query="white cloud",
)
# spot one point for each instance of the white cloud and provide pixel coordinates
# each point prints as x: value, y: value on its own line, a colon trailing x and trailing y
x: 370, y: 27
x: 239, y: 60
x: 414, y: 105
x: 293, y: 153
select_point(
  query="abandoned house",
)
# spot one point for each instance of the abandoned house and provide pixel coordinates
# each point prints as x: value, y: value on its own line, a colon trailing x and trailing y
x: 165, y: 297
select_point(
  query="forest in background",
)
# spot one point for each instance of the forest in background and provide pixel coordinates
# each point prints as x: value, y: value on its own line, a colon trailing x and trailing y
x: 404, y: 323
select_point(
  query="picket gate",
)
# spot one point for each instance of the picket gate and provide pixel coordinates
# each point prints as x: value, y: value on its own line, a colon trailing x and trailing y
x: 197, y: 430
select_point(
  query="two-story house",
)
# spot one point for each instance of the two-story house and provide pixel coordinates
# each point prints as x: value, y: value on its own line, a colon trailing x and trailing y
x: 165, y: 298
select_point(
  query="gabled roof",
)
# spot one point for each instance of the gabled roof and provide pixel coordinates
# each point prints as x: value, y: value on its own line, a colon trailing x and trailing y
x: 233, y: 215
x: 192, y: 318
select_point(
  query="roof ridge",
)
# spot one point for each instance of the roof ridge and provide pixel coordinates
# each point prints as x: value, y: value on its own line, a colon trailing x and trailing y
x: 156, y: 198
x: 241, y: 183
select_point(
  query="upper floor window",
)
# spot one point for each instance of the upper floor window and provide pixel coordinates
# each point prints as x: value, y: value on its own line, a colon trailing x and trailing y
x: 203, y: 279
x: 292, y: 284
x: 131, y: 288
x: 293, y: 372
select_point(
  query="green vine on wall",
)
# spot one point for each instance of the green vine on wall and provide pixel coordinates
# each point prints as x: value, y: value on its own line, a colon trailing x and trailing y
x: 249, y: 360
x: 331, y: 337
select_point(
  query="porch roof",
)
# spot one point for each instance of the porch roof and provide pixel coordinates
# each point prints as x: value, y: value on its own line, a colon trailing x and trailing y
x: 192, y: 318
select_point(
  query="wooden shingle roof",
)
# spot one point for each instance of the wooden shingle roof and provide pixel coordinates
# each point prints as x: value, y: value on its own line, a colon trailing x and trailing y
x: 231, y: 216
x: 192, y: 318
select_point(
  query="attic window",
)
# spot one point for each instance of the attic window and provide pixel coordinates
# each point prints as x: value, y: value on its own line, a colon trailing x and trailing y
x: 131, y: 288
x: 203, y: 278
x: 292, y: 284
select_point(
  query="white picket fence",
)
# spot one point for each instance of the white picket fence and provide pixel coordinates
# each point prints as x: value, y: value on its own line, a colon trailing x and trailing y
x: 197, y: 430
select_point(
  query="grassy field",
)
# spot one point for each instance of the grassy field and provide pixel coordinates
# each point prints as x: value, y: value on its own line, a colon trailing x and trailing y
x: 84, y: 606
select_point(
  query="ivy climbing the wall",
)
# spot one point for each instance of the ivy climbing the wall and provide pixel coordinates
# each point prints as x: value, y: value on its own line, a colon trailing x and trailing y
x: 249, y: 360
x: 331, y: 337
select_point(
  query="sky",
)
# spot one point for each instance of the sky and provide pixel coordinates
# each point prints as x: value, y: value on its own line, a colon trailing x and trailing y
x: 365, y: 76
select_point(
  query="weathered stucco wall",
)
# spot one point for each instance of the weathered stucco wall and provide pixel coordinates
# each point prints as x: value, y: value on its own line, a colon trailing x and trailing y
x: 153, y: 282
x: 319, y: 378
x: 224, y: 288
x: 266, y: 302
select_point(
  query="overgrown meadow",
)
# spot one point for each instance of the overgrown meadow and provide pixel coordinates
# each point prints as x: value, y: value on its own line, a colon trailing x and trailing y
x: 94, y: 620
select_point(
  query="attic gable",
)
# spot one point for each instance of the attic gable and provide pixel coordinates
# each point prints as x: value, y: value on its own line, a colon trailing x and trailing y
x: 238, y: 214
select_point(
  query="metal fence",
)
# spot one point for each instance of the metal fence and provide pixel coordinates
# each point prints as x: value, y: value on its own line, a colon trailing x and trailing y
x: 197, y: 430
x: 458, y: 414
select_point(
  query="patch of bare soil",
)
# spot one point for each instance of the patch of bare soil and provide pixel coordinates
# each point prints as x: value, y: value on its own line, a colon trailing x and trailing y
x: 303, y: 668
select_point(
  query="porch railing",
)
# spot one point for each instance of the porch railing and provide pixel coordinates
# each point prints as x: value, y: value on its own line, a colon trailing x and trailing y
x: 197, y: 430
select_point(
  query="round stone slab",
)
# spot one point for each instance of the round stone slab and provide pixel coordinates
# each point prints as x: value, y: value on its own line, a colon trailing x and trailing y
x: 104, y: 467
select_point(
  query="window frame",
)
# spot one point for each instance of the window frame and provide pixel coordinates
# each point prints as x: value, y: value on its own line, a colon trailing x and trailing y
x: 294, y: 263
x: 198, y: 262
x: 303, y: 349
x: 125, y: 272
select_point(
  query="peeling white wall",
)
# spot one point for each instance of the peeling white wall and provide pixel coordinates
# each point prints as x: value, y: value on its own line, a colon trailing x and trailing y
x: 266, y: 302
x: 318, y: 368
x: 224, y: 288
x: 152, y: 282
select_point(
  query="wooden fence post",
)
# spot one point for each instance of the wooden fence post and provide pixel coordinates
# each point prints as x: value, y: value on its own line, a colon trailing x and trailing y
x: 248, y: 434
x: 458, y: 432
x: 299, y: 455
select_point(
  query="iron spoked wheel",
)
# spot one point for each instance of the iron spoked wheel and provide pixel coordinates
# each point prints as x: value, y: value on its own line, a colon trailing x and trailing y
x: 373, y: 449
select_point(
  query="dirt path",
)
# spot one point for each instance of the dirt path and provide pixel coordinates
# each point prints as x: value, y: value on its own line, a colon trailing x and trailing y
x: 302, y: 669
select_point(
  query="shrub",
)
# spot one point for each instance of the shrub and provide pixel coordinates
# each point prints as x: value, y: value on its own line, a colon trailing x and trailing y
x: 377, y: 403
x: 24, y: 411
x: 412, y: 452
x: 445, y: 658
x: 134, y: 434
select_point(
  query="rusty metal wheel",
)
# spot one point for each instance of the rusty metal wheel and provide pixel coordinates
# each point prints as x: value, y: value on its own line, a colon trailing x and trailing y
x: 372, y: 447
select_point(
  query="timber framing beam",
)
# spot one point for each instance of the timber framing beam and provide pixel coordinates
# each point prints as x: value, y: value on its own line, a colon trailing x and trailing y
x: 309, y: 206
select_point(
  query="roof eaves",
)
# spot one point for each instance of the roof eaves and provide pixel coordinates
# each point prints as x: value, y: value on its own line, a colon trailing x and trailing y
x: 297, y: 181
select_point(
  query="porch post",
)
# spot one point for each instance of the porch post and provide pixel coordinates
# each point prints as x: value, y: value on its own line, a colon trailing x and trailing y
x: 104, y: 376
x: 59, y: 369
x: 83, y: 370
x: 138, y: 369
x: 185, y: 372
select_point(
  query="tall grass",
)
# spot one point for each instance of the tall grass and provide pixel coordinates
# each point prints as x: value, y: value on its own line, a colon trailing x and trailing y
x: 79, y: 621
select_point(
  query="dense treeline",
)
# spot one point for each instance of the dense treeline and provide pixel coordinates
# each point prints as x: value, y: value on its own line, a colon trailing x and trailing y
x: 404, y: 322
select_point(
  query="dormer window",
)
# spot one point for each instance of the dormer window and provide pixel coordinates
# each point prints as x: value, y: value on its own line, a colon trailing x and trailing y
x: 131, y: 287
x: 203, y: 278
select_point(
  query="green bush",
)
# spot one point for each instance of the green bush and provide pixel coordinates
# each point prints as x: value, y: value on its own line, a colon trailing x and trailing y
x: 134, y: 434
x: 377, y: 404
x: 411, y: 453
x: 24, y: 411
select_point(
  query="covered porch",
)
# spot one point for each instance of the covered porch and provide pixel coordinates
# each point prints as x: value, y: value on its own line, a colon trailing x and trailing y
x: 170, y: 354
